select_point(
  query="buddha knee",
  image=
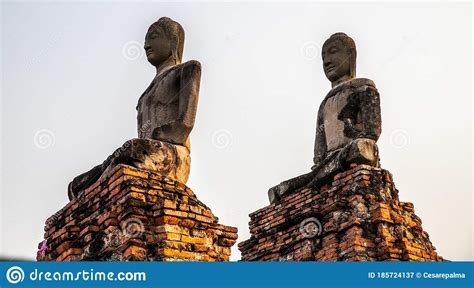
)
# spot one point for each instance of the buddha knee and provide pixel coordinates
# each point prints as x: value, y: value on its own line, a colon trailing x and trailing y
x: 363, y: 151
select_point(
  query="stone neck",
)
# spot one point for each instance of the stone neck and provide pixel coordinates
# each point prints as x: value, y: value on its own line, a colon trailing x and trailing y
x: 168, y: 63
x: 341, y: 80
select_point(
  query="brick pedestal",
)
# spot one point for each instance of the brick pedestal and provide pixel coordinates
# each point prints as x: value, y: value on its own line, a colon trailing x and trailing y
x: 134, y: 214
x: 357, y: 217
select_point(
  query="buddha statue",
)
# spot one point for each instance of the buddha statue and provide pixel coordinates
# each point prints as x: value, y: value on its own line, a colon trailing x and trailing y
x: 167, y: 108
x: 348, y: 121
x: 166, y: 112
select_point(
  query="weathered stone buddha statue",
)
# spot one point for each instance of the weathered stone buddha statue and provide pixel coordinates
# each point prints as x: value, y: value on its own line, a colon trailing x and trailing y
x: 348, y: 122
x: 166, y: 112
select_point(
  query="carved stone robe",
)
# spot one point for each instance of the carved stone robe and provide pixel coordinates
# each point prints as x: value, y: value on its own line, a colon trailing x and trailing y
x: 349, y: 113
x: 166, y: 114
x: 167, y: 108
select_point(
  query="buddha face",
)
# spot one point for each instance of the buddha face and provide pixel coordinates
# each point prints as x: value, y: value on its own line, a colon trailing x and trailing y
x: 157, y: 46
x: 336, y: 60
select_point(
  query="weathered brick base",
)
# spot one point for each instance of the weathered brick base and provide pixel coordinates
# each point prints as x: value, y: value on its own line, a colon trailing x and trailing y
x: 361, y: 218
x: 137, y: 215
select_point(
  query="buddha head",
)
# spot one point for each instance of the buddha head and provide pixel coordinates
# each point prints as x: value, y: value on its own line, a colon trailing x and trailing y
x: 339, y: 58
x: 164, y: 41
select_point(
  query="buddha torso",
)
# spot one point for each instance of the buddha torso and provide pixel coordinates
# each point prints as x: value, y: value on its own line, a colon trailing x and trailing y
x: 167, y: 105
x: 334, y: 127
x: 350, y: 110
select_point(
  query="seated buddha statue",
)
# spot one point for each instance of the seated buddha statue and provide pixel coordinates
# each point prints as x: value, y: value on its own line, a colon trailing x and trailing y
x: 348, y: 121
x: 166, y: 112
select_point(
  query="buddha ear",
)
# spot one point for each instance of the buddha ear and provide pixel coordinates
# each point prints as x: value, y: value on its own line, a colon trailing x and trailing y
x: 173, y: 55
x: 353, y: 63
x: 174, y: 51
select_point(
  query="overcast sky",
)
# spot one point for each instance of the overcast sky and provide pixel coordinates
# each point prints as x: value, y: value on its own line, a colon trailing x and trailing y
x: 72, y: 75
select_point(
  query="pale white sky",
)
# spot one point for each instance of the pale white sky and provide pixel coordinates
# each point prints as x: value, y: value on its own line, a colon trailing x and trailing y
x: 71, y: 78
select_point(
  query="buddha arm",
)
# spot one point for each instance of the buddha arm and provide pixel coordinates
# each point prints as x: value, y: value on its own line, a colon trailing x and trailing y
x: 370, y: 114
x: 320, y: 147
x: 177, y: 131
x: 190, y: 77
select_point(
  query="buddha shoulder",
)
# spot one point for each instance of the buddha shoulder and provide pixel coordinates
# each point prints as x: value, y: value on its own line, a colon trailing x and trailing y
x: 354, y: 85
x: 187, y: 70
x: 358, y: 82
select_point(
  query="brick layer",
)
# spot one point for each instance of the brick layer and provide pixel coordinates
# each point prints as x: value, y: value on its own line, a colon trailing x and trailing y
x: 361, y: 216
x: 136, y: 215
